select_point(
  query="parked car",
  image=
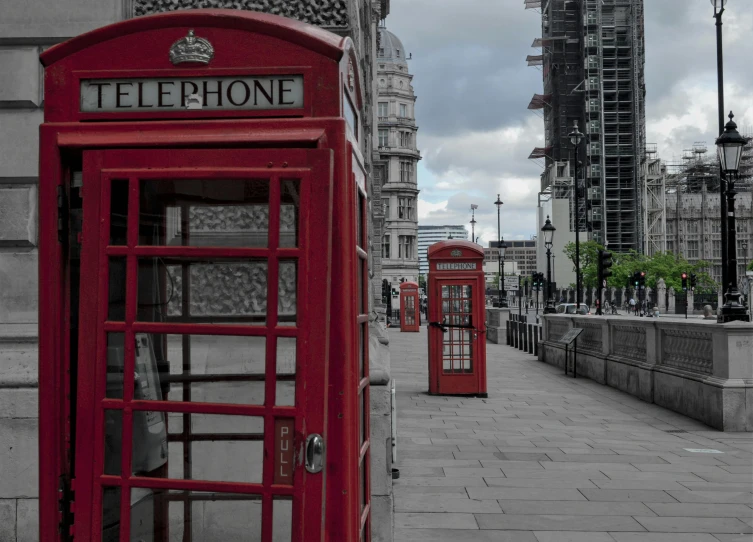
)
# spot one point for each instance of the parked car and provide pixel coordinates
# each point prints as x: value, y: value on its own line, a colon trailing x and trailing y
x: 570, y: 308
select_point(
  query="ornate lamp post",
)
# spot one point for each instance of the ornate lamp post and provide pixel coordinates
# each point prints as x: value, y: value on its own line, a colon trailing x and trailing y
x: 548, y: 233
x: 718, y: 10
x: 729, y: 147
x: 501, y: 299
x: 575, y: 138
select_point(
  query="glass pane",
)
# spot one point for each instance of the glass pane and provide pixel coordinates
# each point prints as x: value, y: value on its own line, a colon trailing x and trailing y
x: 282, y: 519
x: 218, y: 213
x: 176, y: 515
x: 115, y: 364
x: 361, y: 340
x: 289, y: 212
x: 117, y: 290
x: 213, y: 447
x: 113, y: 441
x: 359, y: 219
x: 118, y: 212
x: 361, y: 279
x: 286, y: 362
x: 457, y: 350
x: 218, y: 291
x: 211, y: 368
x: 287, y: 292
x: 111, y: 514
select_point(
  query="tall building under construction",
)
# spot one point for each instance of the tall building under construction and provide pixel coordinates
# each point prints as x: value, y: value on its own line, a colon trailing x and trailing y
x: 591, y: 54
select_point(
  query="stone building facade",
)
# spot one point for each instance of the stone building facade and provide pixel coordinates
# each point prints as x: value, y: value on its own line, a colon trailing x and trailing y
x: 395, y: 162
x: 27, y: 29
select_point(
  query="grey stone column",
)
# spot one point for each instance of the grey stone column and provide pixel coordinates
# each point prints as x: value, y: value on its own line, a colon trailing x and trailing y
x: 671, y: 307
x: 661, y: 289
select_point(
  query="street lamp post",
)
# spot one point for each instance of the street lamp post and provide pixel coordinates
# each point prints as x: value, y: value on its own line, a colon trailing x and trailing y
x: 473, y: 221
x: 501, y: 300
x: 575, y: 138
x: 548, y: 231
x: 718, y: 10
x: 730, y: 149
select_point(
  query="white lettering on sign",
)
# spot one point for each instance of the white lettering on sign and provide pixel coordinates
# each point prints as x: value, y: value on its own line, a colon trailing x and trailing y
x: 215, y: 93
x: 456, y: 266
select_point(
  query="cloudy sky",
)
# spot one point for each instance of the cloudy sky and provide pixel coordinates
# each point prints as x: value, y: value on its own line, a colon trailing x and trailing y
x: 473, y: 88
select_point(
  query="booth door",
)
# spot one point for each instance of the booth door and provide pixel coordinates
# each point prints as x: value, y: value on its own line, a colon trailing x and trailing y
x: 458, y: 370
x: 408, y: 312
x: 203, y: 283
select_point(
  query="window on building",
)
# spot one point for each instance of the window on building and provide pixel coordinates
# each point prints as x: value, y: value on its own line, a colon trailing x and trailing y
x: 403, y: 110
x: 406, y: 171
x: 397, y: 53
x: 716, y: 248
x: 670, y: 246
x: 693, y: 250
x: 716, y: 273
x: 411, y: 209
x: 741, y: 226
x: 402, y: 206
x: 383, y: 137
x: 386, y: 247
x: 405, y: 139
x: 560, y: 170
x: 406, y: 246
x: 716, y: 226
x: 693, y: 226
x: 386, y: 207
x: 382, y: 109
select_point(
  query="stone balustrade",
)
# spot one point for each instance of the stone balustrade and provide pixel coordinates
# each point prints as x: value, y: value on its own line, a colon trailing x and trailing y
x: 701, y: 369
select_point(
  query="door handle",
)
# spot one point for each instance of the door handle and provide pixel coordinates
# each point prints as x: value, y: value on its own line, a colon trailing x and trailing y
x: 314, y: 453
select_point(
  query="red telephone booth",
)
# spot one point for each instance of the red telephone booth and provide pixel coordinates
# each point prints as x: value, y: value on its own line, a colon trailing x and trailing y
x: 457, y: 330
x: 201, y: 187
x: 409, y: 307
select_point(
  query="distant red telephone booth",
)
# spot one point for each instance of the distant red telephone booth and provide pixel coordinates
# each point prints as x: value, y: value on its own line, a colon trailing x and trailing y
x: 457, y: 330
x: 409, y: 313
x: 201, y: 187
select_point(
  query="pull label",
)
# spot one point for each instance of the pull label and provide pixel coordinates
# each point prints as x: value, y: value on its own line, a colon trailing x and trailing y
x: 284, y: 451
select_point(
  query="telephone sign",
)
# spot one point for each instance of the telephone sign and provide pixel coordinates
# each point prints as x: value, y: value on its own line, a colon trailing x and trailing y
x: 203, y: 358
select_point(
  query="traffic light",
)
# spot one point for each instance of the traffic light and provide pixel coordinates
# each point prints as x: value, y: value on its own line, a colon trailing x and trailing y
x: 685, y: 282
x: 643, y: 280
x: 636, y: 279
x: 605, y: 259
x: 692, y: 281
x: 540, y: 277
x: 604, y: 264
x: 534, y: 277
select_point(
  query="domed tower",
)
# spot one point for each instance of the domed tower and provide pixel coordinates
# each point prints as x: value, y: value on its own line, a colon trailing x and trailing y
x: 397, y: 158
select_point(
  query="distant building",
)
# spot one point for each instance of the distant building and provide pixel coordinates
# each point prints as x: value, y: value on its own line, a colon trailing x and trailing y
x: 428, y: 235
x: 523, y: 253
x: 395, y: 161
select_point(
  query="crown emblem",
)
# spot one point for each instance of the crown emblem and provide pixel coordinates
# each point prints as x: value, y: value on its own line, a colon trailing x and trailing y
x: 456, y: 253
x: 191, y: 49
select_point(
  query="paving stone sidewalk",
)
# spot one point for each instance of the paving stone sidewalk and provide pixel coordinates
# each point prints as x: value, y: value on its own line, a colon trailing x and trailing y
x: 546, y: 458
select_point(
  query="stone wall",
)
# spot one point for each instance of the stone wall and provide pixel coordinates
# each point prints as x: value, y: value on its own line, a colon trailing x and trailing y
x: 701, y: 369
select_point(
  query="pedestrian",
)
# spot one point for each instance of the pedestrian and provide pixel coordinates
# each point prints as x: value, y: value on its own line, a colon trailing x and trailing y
x: 633, y: 308
x: 606, y: 306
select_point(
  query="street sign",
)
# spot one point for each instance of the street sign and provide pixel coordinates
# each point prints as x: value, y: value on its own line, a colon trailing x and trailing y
x: 511, y: 283
x: 570, y: 336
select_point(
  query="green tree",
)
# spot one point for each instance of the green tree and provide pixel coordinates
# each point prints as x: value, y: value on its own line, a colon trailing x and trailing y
x: 663, y: 265
x: 422, y: 281
x: 589, y: 255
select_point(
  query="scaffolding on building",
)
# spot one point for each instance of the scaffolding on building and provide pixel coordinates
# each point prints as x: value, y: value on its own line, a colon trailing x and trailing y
x: 593, y: 72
